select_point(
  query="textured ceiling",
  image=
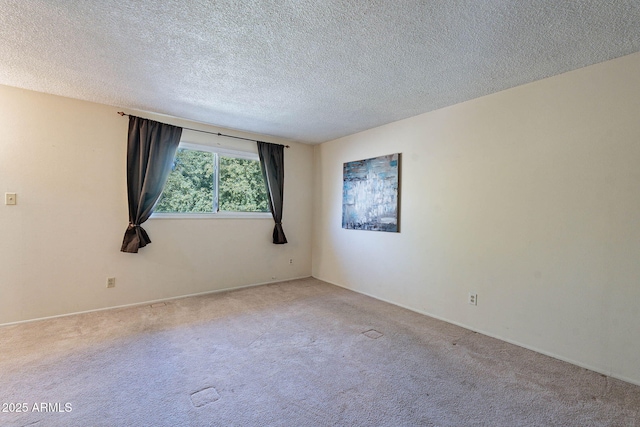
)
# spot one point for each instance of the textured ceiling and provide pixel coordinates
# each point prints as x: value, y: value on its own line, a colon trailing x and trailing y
x: 306, y: 70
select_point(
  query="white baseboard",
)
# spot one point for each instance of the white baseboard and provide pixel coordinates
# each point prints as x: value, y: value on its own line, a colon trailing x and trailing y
x: 155, y: 301
x: 489, y: 334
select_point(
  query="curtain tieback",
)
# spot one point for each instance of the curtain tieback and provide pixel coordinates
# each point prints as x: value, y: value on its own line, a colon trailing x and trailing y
x: 132, y: 226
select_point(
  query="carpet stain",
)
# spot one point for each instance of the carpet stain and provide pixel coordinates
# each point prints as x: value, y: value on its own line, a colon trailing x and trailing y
x: 204, y: 396
x: 372, y: 333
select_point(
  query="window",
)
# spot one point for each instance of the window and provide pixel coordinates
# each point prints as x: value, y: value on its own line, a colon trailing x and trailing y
x: 208, y: 181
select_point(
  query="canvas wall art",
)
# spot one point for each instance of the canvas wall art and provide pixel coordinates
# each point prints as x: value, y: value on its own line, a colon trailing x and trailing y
x: 371, y: 193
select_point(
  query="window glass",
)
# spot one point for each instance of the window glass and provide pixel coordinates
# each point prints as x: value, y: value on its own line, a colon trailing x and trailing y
x: 204, y: 181
x: 241, y: 186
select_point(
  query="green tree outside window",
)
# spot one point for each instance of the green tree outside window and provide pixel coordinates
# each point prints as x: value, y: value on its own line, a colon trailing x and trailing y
x: 190, y: 187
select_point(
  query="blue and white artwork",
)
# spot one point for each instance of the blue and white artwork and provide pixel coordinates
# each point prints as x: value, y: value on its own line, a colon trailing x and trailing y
x: 370, y: 194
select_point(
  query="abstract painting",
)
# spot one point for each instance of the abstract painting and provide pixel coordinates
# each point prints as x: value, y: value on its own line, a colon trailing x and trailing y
x: 370, y: 194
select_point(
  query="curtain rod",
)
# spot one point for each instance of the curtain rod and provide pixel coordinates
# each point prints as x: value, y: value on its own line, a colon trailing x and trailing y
x: 204, y: 131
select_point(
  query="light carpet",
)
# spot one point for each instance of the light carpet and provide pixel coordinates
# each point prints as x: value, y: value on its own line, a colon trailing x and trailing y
x: 298, y: 353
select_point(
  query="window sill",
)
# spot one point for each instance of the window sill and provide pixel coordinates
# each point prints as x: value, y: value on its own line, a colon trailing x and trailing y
x: 217, y: 215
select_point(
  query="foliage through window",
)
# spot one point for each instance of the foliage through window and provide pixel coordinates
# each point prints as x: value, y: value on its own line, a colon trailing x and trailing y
x: 206, y: 180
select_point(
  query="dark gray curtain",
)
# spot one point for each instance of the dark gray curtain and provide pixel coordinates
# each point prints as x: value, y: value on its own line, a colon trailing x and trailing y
x: 272, y: 165
x: 151, y: 149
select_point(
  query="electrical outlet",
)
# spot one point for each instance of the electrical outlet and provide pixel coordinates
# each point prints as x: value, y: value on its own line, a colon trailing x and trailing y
x: 10, y: 198
x: 111, y: 282
x: 473, y: 299
x: 290, y: 260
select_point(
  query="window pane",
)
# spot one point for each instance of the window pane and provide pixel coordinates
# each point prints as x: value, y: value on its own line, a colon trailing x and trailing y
x: 241, y: 187
x: 189, y: 187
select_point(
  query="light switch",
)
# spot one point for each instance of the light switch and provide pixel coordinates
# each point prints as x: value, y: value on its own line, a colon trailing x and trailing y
x: 10, y: 198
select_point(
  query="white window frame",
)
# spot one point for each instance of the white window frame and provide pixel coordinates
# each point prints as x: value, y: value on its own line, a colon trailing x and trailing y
x: 219, y: 214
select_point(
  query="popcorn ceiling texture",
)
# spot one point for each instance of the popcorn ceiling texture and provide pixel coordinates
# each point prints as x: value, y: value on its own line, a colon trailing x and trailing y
x: 303, y: 70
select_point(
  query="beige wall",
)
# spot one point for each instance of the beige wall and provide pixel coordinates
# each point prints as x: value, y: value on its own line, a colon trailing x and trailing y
x: 66, y: 161
x: 529, y: 197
